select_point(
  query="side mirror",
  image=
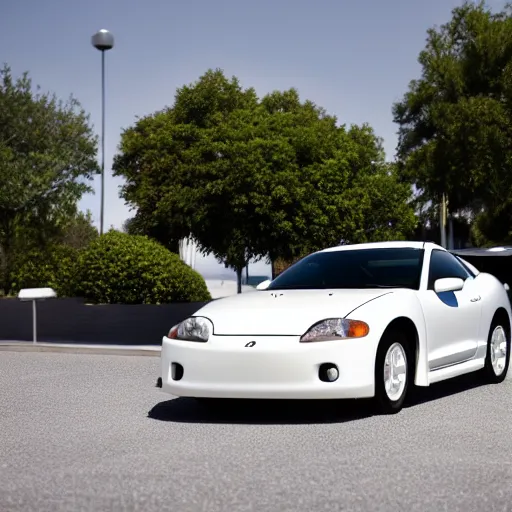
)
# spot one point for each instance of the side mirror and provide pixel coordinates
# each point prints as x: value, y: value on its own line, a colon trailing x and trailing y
x: 264, y: 285
x: 507, y: 287
x: 448, y: 284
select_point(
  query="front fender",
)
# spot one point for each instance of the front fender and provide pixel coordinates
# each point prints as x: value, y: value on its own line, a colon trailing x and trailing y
x: 398, y: 304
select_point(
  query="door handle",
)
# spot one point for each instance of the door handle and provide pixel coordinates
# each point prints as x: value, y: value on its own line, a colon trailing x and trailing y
x: 476, y: 299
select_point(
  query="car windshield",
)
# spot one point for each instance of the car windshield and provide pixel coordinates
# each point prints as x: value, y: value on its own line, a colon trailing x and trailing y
x: 359, y: 268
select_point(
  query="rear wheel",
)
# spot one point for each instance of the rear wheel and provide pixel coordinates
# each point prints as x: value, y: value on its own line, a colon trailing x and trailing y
x: 497, y: 359
x: 393, y: 372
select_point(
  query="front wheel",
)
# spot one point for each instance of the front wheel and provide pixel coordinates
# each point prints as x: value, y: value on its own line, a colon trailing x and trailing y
x: 497, y: 359
x: 392, y: 372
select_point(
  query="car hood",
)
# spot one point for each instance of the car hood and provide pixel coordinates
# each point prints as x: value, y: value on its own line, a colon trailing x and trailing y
x: 282, y: 312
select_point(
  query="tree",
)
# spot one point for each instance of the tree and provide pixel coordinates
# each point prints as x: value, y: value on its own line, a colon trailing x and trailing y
x: 489, y: 229
x: 43, y: 253
x: 251, y: 178
x: 158, y: 152
x: 53, y: 267
x: 162, y: 157
x: 455, y: 122
x: 75, y: 229
x: 47, y: 156
x: 79, y: 231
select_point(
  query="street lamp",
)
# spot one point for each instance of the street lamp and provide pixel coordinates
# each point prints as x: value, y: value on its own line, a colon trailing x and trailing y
x: 103, y: 41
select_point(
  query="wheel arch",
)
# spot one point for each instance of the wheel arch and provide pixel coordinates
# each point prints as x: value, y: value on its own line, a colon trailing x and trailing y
x: 502, y: 318
x: 400, y: 309
x: 408, y: 327
x: 502, y: 315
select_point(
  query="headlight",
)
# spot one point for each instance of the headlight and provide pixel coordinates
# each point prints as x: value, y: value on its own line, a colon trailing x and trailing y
x: 336, y: 328
x: 195, y: 328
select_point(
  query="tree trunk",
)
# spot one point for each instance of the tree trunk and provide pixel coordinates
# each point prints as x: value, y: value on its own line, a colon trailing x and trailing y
x: 239, y: 279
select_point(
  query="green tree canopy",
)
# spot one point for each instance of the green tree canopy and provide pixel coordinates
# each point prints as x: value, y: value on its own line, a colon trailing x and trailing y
x: 455, y: 122
x: 54, y: 267
x: 43, y: 253
x: 250, y: 178
x: 47, y: 157
x: 78, y: 232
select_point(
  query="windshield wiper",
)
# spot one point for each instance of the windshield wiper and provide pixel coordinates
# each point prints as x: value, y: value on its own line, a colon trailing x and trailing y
x: 383, y: 286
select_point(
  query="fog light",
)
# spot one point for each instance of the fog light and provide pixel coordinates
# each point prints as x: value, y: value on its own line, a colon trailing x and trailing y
x: 328, y: 372
x: 332, y: 374
x: 176, y: 371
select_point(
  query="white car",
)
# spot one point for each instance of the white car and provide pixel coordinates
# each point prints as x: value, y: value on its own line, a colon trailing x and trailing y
x: 355, y: 321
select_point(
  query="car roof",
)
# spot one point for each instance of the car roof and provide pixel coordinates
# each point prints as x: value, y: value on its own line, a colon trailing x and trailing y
x: 385, y: 245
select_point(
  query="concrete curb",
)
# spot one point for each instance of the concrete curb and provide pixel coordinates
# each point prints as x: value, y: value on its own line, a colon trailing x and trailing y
x: 118, y: 350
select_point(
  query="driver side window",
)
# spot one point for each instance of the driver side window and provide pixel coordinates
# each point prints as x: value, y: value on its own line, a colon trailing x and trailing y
x: 443, y: 264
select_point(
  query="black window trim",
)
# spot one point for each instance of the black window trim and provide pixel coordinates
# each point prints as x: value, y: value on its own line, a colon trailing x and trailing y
x: 459, y: 259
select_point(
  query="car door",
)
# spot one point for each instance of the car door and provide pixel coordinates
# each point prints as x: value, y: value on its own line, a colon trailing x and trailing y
x: 452, y: 318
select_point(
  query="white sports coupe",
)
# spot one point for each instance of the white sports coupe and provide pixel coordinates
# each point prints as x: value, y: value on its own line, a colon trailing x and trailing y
x: 356, y: 321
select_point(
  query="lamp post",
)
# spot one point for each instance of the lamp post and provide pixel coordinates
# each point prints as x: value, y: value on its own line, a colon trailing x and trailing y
x: 103, y: 41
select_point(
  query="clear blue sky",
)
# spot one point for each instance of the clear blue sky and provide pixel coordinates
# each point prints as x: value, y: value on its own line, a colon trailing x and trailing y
x: 354, y: 58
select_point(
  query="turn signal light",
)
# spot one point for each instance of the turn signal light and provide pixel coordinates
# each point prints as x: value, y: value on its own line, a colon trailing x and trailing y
x: 357, y: 329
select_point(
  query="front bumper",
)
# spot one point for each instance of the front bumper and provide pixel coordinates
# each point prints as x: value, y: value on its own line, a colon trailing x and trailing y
x: 276, y: 367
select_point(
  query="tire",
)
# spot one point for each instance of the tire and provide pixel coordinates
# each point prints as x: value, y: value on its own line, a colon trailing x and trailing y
x: 490, y: 372
x: 386, y: 402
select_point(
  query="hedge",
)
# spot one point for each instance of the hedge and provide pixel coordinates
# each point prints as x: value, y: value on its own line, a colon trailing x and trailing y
x: 133, y: 269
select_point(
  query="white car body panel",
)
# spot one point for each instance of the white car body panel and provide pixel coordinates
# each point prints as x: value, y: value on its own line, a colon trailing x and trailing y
x: 268, y: 313
x: 451, y: 330
x: 395, y: 305
x: 276, y: 367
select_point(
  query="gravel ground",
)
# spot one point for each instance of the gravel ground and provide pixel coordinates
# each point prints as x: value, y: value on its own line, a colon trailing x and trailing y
x: 92, y: 433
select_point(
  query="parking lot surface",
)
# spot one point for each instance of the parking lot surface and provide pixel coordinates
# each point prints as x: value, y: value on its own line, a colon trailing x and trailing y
x: 81, y: 432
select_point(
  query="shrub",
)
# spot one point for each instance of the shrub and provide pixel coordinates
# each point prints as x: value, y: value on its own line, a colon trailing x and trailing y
x: 132, y: 269
x: 53, y: 267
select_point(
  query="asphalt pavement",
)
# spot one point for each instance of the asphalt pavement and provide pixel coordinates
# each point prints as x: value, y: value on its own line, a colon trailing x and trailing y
x: 83, y: 432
